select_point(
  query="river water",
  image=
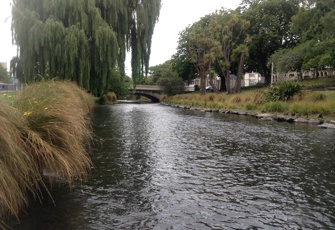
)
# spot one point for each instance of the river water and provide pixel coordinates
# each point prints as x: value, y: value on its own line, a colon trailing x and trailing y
x: 159, y: 167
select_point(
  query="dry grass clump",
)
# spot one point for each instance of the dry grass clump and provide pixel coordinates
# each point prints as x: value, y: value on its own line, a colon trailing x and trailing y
x: 236, y: 99
x: 18, y: 173
x: 43, y: 137
x: 221, y: 98
x: 259, y: 97
x: 58, y: 127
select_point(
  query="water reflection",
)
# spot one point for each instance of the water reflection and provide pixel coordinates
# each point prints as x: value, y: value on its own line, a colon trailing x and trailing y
x: 165, y: 168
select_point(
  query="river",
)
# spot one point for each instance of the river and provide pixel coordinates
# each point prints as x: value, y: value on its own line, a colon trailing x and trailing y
x: 159, y: 167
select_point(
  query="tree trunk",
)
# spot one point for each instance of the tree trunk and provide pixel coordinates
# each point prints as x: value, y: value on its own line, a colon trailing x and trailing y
x: 239, y: 73
x: 228, y: 81
x: 216, y: 90
x: 203, y: 82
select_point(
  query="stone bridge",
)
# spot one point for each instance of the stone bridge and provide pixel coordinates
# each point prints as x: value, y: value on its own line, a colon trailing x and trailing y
x: 153, y: 92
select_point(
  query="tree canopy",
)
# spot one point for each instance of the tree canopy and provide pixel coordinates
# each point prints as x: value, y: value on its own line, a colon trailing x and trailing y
x: 295, y: 35
x: 213, y: 43
x: 83, y: 41
x: 315, y: 48
x: 4, y: 76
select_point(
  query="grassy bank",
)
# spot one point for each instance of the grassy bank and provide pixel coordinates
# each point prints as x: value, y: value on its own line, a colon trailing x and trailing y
x: 307, y: 103
x: 43, y: 138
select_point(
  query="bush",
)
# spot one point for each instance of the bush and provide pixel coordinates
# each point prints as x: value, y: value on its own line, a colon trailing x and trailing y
x: 283, y: 91
x: 108, y: 98
x: 172, y: 85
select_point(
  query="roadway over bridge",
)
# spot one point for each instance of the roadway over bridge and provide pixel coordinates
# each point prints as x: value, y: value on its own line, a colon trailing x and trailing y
x: 153, y: 92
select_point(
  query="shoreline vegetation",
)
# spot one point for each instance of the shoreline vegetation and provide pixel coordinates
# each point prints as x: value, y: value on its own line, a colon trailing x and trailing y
x: 44, y: 136
x: 313, y: 104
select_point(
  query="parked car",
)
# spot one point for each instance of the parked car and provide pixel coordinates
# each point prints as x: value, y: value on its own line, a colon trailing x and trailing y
x: 209, y: 88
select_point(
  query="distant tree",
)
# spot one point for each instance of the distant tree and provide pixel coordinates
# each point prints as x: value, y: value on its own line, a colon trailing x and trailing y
x: 158, y: 71
x: 315, y: 39
x: 119, y: 85
x: 202, y: 48
x: 171, y: 83
x: 182, y: 62
x: 230, y: 30
x: 4, y: 76
x: 82, y: 41
x: 270, y: 30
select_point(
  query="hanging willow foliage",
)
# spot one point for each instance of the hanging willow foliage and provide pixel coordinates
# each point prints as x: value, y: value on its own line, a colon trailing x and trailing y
x: 82, y: 41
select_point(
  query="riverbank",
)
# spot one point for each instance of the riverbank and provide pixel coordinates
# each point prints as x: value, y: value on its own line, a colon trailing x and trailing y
x: 314, y: 104
x: 320, y: 122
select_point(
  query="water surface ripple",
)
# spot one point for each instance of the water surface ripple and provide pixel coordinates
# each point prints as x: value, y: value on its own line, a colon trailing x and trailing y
x: 165, y: 168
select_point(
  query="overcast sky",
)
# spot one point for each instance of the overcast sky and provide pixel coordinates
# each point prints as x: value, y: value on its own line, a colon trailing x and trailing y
x: 175, y: 16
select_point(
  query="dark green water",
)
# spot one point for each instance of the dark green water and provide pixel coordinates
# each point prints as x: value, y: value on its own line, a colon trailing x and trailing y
x: 165, y: 168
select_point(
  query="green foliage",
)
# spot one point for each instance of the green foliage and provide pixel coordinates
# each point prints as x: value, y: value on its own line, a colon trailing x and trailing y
x: 119, y: 85
x: 270, y: 30
x: 108, y: 98
x: 82, y: 41
x: 4, y: 76
x: 172, y: 85
x: 159, y: 71
x: 283, y: 91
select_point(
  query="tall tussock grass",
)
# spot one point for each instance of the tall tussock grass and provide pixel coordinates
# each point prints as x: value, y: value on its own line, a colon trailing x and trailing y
x: 18, y: 171
x: 43, y: 139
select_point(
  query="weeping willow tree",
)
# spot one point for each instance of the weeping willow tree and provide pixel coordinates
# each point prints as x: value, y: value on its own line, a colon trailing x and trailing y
x: 82, y: 41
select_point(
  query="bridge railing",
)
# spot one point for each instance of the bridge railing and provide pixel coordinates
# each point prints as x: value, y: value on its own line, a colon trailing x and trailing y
x: 189, y: 88
x: 149, y: 87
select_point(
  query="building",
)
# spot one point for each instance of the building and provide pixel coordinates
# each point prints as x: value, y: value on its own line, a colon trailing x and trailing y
x: 309, y: 74
x: 252, y: 78
x: 216, y: 81
x: 249, y: 79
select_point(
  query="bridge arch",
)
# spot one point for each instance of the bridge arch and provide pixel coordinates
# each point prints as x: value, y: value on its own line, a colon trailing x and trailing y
x: 155, y: 98
x: 152, y: 92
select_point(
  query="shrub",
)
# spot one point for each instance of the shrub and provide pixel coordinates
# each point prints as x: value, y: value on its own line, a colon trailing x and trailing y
x: 283, y: 91
x: 172, y: 85
x: 108, y: 98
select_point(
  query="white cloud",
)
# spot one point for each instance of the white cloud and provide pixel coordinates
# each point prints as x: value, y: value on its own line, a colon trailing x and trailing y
x: 7, y: 50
